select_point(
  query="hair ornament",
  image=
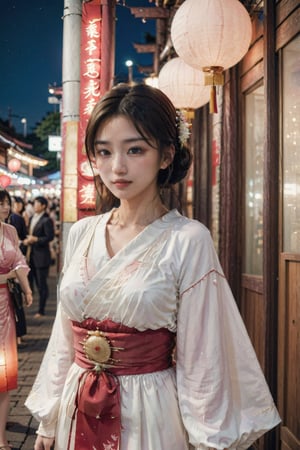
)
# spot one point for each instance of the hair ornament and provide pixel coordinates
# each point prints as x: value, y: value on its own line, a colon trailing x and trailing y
x: 183, y: 127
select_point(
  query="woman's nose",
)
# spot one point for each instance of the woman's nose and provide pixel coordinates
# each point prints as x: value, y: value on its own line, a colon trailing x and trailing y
x: 119, y: 164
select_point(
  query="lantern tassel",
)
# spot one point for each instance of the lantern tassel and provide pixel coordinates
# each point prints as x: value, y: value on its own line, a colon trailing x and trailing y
x: 213, y: 107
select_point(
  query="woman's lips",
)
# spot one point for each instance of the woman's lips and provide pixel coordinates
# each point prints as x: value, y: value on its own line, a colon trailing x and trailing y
x: 121, y: 183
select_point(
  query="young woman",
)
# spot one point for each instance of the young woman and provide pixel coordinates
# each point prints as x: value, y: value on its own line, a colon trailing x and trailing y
x: 135, y: 279
x: 12, y: 265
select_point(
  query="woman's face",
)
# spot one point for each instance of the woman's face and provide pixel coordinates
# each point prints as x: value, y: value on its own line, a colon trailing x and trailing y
x: 17, y: 207
x: 126, y: 163
x: 4, y: 209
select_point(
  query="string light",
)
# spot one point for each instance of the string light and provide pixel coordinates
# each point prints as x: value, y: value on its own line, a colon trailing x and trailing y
x: 27, y: 159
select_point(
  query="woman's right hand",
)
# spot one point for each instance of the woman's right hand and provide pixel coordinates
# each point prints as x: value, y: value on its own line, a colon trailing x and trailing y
x: 43, y: 443
x: 28, y: 298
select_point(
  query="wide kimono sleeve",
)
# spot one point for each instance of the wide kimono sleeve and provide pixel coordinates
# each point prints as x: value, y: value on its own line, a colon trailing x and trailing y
x: 44, y: 398
x: 224, y: 400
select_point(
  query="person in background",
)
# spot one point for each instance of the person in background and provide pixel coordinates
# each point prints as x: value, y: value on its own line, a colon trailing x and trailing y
x: 17, y: 220
x: 41, y: 233
x: 136, y: 279
x: 12, y: 265
x: 28, y: 212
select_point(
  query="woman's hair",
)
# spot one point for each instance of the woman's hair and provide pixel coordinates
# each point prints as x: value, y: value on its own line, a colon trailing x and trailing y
x: 20, y: 201
x: 4, y: 195
x: 154, y: 117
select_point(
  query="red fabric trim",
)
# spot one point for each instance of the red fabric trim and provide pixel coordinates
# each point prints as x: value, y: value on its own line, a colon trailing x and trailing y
x: 203, y: 278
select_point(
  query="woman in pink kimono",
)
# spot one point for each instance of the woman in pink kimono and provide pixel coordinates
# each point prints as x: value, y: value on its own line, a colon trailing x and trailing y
x: 12, y: 265
x: 136, y: 278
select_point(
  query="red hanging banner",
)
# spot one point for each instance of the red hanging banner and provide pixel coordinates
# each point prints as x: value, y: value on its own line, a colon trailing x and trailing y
x: 90, y: 69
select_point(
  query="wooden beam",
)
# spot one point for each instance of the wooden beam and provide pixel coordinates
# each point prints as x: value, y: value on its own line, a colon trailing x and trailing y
x: 150, y: 13
x: 145, y: 48
x: 271, y: 202
x: 146, y: 69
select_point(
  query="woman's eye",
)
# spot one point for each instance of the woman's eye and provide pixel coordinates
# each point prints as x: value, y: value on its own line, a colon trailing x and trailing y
x: 135, y: 151
x: 102, y: 152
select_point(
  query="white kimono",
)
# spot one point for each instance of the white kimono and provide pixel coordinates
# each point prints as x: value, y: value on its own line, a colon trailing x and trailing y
x: 168, y: 276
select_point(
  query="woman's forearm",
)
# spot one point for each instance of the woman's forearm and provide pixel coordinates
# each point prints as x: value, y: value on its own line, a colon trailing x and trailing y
x: 25, y: 286
x: 21, y: 274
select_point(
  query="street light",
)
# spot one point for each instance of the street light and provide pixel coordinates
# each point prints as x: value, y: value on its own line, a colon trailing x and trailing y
x: 129, y: 64
x: 24, y: 122
x: 56, y: 96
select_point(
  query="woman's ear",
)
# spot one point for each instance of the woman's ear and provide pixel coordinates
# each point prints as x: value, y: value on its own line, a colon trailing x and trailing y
x: 168, y: 157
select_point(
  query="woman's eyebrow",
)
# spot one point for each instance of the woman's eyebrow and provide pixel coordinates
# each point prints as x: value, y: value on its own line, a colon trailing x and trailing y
x: 129, y: 140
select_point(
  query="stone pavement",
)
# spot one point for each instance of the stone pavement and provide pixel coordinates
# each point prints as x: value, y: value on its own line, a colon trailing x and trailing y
x: 21, y: 425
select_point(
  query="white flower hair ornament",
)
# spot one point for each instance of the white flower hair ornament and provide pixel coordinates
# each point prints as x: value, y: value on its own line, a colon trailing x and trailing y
x: 183, y: 128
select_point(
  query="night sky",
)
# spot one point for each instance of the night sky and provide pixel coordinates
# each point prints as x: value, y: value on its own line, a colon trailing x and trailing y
x: 31, y: 54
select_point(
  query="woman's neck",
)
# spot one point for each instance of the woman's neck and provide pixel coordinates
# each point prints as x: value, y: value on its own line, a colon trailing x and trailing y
x: 128, y: 215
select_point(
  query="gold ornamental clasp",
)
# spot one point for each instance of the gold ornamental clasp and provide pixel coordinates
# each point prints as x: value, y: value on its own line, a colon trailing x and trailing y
x: 97, y: 347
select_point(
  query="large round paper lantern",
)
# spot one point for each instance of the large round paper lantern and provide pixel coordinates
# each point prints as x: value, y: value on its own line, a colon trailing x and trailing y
x: 5, y: 181
x: 211, y: 35
x: 183, y: 84
x: 14, y: 164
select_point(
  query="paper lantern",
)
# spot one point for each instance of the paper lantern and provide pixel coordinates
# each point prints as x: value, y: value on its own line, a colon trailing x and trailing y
x: 5, y: 181
x: 152, y: 80
x: 211, y: 35
x: 183, y: 84
x: 14, y: 164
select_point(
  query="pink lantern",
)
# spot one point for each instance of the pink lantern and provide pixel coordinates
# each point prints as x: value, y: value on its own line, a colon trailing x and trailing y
x: 14, y: 164
x: 211, y: 35
x: 5, y: 181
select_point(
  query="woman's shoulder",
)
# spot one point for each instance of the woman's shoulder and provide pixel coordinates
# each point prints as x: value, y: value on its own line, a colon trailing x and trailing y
x: 10, y: 231
x: 190, y: 228
x: 80, y: 233
x: 191, y: 237
x: 195, y: 249
x: 8, y: 228
x: 84, y: 224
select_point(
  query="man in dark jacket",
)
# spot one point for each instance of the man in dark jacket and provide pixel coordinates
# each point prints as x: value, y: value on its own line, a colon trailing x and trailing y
x: 41, y: 233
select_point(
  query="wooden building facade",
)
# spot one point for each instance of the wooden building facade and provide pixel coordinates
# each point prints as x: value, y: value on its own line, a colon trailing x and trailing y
x: 253, y: 208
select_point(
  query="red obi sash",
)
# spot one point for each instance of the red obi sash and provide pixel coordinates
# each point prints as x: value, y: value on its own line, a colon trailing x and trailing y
x: 108, y: 349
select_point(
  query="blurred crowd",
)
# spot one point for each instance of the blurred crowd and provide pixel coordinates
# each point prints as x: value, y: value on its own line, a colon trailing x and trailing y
x: 24, y: 209
x: 30, y: 218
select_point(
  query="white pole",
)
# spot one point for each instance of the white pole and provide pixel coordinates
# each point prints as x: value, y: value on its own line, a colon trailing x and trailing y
x: 70, y: 113
x: 71, y: 59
